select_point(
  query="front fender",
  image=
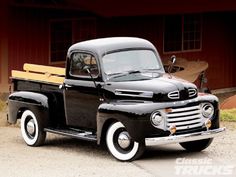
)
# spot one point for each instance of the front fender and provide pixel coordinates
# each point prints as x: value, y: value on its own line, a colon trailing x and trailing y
x: 22, y: 100
x: 135, y: 118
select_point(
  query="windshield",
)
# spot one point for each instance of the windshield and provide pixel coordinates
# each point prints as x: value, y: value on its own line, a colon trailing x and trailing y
x: 131, y: 65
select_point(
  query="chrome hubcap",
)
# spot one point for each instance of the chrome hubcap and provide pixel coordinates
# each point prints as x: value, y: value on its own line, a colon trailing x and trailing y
x: 30, y: 127
x: 124, y: 140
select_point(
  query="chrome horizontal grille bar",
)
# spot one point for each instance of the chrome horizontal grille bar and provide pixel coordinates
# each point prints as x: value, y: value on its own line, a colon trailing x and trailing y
x: 189, y: 122
x: 184, y: 113
x: 184, y: 118
x: 185, y: 109
x: 189, y: 127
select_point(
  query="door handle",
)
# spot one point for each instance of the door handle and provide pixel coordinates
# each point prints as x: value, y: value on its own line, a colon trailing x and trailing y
x: 67, y: 85
x: 62, y: 86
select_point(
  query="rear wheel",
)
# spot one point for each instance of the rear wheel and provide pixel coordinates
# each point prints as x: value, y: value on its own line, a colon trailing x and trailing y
x: 31, y: 129
x: 121, y: 145
x: 196, y: 146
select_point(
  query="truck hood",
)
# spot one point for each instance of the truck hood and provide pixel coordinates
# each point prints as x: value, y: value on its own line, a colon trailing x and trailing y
x: 163, y: 88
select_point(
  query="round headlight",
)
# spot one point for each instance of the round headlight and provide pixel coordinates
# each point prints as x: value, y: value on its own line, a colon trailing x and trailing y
x: 207, y: 110
x: 156, y: 118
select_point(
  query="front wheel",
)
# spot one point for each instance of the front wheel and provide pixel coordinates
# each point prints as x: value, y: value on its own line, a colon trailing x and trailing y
x: 121, y: 145
x: 196, y: 146
x: 31, y: 129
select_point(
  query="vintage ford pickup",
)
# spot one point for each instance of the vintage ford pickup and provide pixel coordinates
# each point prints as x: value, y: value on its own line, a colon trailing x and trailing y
x: 113, y: 90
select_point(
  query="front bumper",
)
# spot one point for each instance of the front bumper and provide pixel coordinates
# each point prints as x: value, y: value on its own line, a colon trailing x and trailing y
x: 185, y: 137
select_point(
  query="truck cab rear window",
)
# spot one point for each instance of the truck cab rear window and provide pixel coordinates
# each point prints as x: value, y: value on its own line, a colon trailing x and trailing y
x: 81, y: 63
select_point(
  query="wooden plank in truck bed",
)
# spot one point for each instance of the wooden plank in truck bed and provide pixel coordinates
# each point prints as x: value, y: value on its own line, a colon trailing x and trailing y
x: 50, y: 74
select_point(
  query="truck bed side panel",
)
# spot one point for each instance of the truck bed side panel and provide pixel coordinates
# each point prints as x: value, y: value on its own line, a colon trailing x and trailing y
x: 52, y: 92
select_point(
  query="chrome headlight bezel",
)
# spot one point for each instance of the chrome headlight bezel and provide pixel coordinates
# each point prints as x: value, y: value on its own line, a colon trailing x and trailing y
x: 156, y: 118
x: 207, y: 110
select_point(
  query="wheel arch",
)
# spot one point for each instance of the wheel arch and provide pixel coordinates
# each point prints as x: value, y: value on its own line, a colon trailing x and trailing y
x: 102, y: 129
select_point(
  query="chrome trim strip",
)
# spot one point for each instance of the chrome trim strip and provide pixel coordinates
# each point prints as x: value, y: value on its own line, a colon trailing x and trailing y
x: 134, y: 93
x: 184, y: 138
x: 174, y: 95
x: 192, y: 92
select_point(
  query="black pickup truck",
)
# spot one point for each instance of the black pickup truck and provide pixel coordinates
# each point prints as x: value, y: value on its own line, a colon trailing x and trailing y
x: 113, y: 90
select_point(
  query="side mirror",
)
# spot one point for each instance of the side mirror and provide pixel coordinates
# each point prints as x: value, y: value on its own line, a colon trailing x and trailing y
x: 173, y: 60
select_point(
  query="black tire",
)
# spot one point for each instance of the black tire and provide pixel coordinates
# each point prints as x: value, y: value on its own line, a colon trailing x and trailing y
x: 196, y: 146
x: 31, y: 129
x: 132, y: 150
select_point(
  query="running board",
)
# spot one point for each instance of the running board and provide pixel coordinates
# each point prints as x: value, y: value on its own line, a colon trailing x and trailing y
x: 79, y: 134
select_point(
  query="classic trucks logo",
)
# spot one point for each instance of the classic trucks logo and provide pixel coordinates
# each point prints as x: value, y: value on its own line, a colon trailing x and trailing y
x: 199, y: 167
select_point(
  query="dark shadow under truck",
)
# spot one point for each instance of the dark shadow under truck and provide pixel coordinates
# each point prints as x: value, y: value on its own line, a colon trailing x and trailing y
x: 116, y: 91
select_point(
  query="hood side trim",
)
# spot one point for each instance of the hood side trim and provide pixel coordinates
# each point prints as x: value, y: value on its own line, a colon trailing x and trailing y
x: 134, y: 93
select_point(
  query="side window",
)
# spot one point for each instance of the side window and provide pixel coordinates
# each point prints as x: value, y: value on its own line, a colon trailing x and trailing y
x: 80, y: 62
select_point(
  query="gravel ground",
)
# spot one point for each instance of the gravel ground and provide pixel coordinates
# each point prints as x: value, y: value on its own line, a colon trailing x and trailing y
x: 63, y: 156
x: 60, y: 157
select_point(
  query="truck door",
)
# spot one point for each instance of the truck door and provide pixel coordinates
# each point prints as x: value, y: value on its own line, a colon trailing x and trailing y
x: 80, y: 93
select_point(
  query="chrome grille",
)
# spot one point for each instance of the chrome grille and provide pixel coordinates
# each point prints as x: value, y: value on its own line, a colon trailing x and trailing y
x: 173, y: 95
x: 184, y: 118
x: 192, y: 92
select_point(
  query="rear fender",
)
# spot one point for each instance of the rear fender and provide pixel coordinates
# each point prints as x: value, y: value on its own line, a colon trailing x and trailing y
x: 20, y: 101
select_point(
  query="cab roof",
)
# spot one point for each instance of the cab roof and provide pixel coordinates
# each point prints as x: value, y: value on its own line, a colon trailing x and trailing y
x: 102, y: 46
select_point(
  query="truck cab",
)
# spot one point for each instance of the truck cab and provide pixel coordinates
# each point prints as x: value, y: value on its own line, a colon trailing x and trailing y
x: 115, y: 90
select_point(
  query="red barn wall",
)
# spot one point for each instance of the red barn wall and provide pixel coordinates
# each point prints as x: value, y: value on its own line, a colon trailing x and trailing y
x: 28, y: 42
x: 218, y: 42
x: 29, y: 39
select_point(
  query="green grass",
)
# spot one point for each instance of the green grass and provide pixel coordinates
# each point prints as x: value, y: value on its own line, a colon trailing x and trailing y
x: 2, y: 105
x: 228, y: 115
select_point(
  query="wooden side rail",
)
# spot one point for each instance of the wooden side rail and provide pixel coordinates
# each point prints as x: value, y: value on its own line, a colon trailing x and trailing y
x: 55, y: 75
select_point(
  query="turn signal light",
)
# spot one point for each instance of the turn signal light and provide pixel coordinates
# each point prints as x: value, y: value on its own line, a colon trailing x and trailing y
x: 208, y: 123
x: 172, y: 129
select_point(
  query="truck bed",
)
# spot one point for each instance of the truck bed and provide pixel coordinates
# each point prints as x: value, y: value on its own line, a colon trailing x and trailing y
x: 44, y: 80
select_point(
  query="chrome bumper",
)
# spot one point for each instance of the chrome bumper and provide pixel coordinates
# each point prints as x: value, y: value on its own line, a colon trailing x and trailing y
x: 185, y: 137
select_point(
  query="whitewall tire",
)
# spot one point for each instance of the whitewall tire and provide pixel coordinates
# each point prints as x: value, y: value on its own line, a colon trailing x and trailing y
x: 31, y: 129
x: 120, y: 144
